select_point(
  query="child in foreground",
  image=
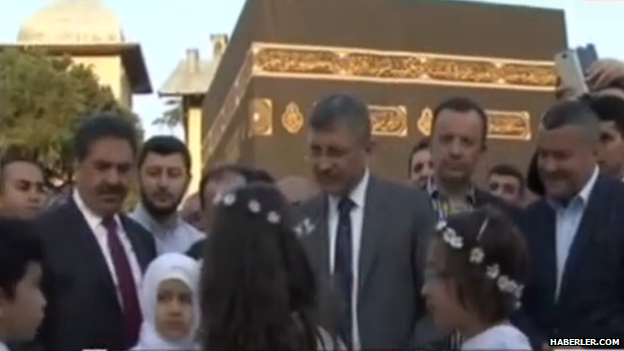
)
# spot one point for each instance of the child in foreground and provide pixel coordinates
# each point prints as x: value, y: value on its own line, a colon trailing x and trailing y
x: 258, y: 288
x: 21, y: 301
x: 476, y: 269
x: 170, y: 306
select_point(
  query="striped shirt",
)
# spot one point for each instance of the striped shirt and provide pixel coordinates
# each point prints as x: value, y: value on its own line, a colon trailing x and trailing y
x: 445, y: 206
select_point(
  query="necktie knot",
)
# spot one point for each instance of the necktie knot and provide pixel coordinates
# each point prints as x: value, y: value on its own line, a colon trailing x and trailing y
x: 345, y: 205
x: 109, y: 223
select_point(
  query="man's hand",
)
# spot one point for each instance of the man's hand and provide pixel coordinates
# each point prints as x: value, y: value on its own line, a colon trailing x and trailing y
x: 564, y: 92
x: 604, y: 73
x: 613, y: 92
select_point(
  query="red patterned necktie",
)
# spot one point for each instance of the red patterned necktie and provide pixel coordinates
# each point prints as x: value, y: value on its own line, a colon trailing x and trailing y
x: 125, y: 282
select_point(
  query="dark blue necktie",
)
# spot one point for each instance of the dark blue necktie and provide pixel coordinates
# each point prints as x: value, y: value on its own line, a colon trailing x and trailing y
x: 343, y: 269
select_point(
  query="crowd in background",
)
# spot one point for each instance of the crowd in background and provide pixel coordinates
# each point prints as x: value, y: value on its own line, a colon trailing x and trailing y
x: 347, y: 260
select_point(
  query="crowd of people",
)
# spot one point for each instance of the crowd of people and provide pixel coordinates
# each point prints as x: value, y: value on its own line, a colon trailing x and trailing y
x: 349, y: 261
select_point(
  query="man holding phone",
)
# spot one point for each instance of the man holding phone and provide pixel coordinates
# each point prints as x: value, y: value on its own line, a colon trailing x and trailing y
x: 601, y: 75
x: 601, y: 82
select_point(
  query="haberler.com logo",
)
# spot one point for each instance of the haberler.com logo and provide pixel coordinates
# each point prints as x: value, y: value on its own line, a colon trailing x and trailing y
x: 614, y: 343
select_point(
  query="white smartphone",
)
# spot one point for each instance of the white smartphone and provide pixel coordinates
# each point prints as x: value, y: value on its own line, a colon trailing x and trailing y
x: 570, y: 71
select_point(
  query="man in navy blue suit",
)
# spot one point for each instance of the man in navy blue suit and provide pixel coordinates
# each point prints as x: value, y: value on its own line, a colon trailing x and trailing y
x: 575, y: 234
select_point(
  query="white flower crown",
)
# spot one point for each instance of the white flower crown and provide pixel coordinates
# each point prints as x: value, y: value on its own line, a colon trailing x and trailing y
x: 504, y: 283
x: 253, y: 206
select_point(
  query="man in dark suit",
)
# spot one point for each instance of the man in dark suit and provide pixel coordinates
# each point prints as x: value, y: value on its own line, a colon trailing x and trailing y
x: 575, y: 234
x: 458, y: 142
x: 95, y: 255
x: 362, y: 233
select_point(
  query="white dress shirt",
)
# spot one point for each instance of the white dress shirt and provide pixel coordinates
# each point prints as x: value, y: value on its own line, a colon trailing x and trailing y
x: 3, y: 347
x: 358, y: 196
x: 567, y: 222
x: 101, y: 235
x: 178, y: 236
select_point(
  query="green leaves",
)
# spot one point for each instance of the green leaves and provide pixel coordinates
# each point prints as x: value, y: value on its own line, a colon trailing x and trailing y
x: 42, y: 99
x: 172, y: 117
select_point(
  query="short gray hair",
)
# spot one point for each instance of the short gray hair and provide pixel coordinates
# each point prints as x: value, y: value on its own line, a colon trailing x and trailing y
x: 344, y: 108
x: 573, y: 113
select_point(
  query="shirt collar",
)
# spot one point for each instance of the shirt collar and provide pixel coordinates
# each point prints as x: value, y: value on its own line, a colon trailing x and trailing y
x: 585, y: 192
x: 93, y: 219
x: 153, y: 226
x: 434, y: 192
x: 589, y: 186
x: 358, y: 194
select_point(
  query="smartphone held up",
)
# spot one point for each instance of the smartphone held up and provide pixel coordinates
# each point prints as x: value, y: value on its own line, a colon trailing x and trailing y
x: 572, y: 66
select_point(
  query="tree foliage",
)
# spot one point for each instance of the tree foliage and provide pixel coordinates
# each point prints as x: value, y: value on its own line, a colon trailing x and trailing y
x: 172, y: 117
x: 42, y: 99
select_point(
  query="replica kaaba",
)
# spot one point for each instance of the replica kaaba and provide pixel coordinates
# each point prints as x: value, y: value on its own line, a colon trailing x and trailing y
x: 402, y: 57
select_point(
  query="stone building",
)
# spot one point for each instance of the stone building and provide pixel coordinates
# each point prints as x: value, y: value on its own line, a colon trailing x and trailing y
x: 188, y: 85
x: 91, y: 34
x: 402, y: 57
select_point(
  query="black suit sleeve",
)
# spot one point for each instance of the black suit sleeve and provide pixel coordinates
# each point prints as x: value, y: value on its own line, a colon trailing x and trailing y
x: 146, y: 239
x: 423, y: 229
x: 196, y: 251
x: 521, y: 318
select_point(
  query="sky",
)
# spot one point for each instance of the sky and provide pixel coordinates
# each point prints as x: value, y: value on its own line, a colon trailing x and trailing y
x: 167, y: 28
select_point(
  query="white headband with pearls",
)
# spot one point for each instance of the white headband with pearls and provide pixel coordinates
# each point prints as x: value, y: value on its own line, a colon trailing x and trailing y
x: 253, y: 206
x: 504, y: 283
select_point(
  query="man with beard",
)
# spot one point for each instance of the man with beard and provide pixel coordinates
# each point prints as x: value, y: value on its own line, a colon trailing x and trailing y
x: 164, y: 175
x: 94, y: 254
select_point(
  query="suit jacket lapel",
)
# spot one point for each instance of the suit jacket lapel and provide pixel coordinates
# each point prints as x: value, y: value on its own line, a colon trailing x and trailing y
x: 318, y: 239
x: 548, y: 252
x: 589, y: 223
x: 139, y: 251
x: 85, y: 239
x: 372, y: 228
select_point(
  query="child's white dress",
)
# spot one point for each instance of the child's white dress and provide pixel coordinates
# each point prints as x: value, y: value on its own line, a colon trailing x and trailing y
x: 499, y: 337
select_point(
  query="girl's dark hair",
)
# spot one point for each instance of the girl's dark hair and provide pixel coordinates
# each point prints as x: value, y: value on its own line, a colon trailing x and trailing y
x: 502, y: 244
x: 258, y: 288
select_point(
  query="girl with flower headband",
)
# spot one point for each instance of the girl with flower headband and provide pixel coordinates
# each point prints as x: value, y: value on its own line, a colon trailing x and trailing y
x: 476, y: 267
x: 258, y: 288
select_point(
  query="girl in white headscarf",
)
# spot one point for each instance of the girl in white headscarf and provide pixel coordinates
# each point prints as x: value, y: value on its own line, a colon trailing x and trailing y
x: 170, y: 306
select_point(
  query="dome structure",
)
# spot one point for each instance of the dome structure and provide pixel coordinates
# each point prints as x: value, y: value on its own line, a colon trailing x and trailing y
x: 72, y: 22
